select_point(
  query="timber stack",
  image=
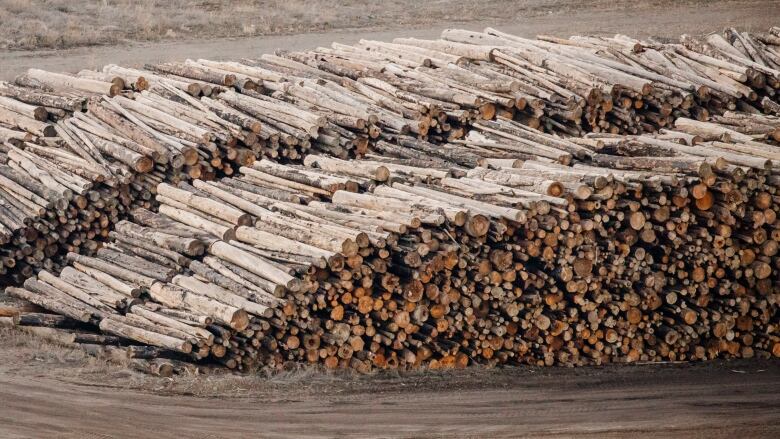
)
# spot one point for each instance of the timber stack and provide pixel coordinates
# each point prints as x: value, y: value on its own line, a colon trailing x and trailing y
x: 569, y: 86
x: 463, y: 234
x: 649, y: 248
x: 62, y: 183
x: 289, y: 129
x: 343, y: 100
x: 647, y: 84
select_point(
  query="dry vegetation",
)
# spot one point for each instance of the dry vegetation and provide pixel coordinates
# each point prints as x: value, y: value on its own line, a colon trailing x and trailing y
x: 28, y: 355
x: 57, y: 24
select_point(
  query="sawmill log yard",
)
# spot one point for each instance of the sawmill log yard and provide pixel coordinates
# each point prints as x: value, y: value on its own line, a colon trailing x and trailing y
x: 389, y: 219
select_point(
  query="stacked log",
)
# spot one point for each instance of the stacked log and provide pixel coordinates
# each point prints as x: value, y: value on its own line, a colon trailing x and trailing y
x: 104, y: 290
x: 458, y: 83
x: 708, y: 253
x: 570, y: 86
x: 648, y: 249
x: 761, y: 127
x: 63, y: 181
x: 277, y: 253
x: 70, y: 333
x: 66, y: 85
x: 340, y: 100
x: 676, y: 257
x: 47, y: 104
x: 305, y: 105
x: 463, y: 235
x: 306, y: 117
x: 422, y: 102
x: 192, y: 141
x: 339, y: 97
x: 649, y: 83
x: 47, y: 210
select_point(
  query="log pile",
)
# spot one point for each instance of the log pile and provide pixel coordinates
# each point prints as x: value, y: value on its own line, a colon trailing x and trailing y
x: 647, y: 84
x: 702, y: 253
x: 569, y: 86
x: 648, y: 249
x: 340, y: 100
x: 73, y: 162
x: 761, y: 127
x: 189, y: 140
x: 47, y: 209
x: 463, y: 234
x: 63, y: 181
x: 230, y: 93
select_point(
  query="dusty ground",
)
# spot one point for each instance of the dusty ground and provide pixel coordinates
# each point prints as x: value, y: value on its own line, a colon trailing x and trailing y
x: 402, y: 18
x: 53, y: 392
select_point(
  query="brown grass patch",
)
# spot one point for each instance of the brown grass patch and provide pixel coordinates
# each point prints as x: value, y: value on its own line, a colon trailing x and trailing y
x: 57, y: 24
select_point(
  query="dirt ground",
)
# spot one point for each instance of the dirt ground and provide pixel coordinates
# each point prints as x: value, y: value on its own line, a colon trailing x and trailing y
x: 528, y: 18
x: 55, y: 392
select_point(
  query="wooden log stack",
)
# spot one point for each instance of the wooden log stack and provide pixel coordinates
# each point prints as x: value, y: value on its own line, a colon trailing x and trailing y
x: 63, y: 180
x: 570, y: 86
x: 642, y: 251
x: 305, y: 119
x: 649, y: 83
x: 70, y: 333
x: 706, y: 255
x: 47, y: 210
x: 463, y: 234
x: 63, y: 186
x: 340, y: 100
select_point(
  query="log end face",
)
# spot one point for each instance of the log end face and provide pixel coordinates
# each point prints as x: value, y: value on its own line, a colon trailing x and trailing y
x: 487, y: 111
x: 477, y: 226
x: 382, y: 174
x: 196, y: 248
x: 185, y: 347
x: 349, y: 248
x: 115, y: 89
x: 294, y: 285
x: 238, y: 321
x: 49, y: 131
x: 143, y: 165
x: 244, y: 220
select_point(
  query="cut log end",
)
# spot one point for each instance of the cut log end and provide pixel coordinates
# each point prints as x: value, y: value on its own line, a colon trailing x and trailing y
x: 477, y: 225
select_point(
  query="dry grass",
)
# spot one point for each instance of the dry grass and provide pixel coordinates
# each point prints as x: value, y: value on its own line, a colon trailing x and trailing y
x: 23, y: 350
x: 56, y: 24
x: 33, y: 24
x: 27, y: 355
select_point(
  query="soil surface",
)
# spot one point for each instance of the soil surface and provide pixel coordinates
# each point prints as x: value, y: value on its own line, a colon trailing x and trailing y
x: 561, y: 18
x: 55, y: 392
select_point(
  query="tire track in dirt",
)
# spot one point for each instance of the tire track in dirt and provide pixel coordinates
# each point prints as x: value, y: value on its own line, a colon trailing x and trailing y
x: 653, y: 401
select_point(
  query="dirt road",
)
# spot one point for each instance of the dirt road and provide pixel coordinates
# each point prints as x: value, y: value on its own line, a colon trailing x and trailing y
x: 658, y: 18
x: 722, y: 400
